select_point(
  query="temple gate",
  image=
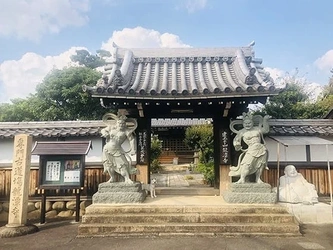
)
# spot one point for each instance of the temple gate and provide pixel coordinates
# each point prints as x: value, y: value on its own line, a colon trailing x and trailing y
x: 215, y: 83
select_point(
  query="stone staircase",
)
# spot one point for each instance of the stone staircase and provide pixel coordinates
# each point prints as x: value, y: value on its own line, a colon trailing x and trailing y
x: 188, y: 191
x: 122, y: 220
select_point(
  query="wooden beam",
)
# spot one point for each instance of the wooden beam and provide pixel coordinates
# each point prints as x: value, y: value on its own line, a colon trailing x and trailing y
x: 140, y: 109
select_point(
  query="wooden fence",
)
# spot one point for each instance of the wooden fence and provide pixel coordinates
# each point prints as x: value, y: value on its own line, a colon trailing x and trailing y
x: 94, y: 175
x: 318, y: 177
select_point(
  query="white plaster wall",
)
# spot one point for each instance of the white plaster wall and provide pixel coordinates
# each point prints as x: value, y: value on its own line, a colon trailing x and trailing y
x: 290, y: 153
x: 94, y: 155
x: 318, y: 153
x: 6, y: 150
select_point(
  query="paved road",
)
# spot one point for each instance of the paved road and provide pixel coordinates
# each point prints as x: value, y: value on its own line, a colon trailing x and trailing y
x: 62, y: 235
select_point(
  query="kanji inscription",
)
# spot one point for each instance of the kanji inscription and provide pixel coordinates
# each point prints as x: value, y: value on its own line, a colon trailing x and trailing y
x: 20, y: 180
x: 142, y: 147
x: 225, y: 147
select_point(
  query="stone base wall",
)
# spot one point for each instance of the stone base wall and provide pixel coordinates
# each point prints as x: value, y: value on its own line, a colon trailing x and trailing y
x: 53, y: 209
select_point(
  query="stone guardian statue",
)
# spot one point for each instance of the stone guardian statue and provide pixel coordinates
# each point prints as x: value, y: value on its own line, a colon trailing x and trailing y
x: 250, y: 141
x: 115, y: 158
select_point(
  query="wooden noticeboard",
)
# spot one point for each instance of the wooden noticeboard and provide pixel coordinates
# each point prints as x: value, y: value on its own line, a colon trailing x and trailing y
x: 61, y: 172
x: 61, y: 166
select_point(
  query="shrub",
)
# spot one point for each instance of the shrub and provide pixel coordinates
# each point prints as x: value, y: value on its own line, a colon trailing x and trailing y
x: 207, y: 169
x: 155, y: 152
x: 155, y: 166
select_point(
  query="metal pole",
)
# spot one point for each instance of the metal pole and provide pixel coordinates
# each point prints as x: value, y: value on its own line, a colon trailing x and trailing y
x: 43, y: 207
x: 77, y: 207
x: 329, y: 174
x: 278, y: 172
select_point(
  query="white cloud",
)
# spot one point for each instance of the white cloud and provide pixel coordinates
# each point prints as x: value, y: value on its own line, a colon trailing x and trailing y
x: 19, y: 78
x: 195, y: 5
x: 140, y: 37
x: 325, y: 62
x: 32, y: 18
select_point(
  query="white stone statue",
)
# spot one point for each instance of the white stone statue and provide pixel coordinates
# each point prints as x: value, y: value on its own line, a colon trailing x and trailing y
x: 294, y: 188
x: 115, y: 158
x: 253, y: 158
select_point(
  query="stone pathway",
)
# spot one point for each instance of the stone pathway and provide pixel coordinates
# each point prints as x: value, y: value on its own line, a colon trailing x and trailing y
x: 178, y: 176
x: 180, y: 179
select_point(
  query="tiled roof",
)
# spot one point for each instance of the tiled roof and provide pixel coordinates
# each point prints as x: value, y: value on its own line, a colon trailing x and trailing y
x: 61, y: 148
x: 51, y: 129
x: 311, y: 127
x: 315, y: 127
x: 186, y: 73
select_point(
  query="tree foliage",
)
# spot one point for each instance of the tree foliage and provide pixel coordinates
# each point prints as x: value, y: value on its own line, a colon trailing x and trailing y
x: 19, y: 110
x: 63, y: 98
x: 328, y: 90
x: 58, y: 97
x: 200, y: 138
x: 287, y: 104
x: 85, y: 58
x: 294, y: 101
x: 155, y: 152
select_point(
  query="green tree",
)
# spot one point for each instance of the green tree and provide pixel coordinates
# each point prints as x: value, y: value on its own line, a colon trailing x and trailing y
x: 328, y: 90
x: 18, y: 110
x: 85, y: 58
x: 58, y: 97
x: 62, y: 96
x: 325, y: 104
x: 295, y: 101
x: 155, y: 152
x: 288, y: 104
x: 201, y: 138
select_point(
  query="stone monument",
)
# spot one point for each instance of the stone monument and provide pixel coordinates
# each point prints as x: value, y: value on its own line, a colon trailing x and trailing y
x: 18, y: 205
x: 294, y: 188
x: 117, y: 163
x: 252, y: 161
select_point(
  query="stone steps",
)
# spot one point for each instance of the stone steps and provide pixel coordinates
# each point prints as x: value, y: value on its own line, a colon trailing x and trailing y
x: 203, y: 191
x: 180, y: 229
x: 105, y: 209
x: 190, y: 218
x: 180, y: 220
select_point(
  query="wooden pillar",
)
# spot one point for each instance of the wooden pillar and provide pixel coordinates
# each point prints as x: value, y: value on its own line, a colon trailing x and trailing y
x: 222, y: 150
x: 216, y: 134
x: 143, y: 135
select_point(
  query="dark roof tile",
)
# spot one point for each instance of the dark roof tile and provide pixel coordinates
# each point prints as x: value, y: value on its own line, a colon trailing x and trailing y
x: 92, y: 128
x: 183, y: 73
x: 61, y: 148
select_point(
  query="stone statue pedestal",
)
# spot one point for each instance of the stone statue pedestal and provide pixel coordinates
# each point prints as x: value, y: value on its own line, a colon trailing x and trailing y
x: 252, y: 193
x: 119, y: 192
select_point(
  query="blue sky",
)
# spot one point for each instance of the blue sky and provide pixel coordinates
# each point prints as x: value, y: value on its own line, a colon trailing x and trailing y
x: 37, y: 35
